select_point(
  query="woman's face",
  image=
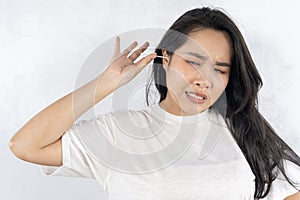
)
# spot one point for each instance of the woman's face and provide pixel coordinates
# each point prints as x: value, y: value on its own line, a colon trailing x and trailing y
x: 198, y: 72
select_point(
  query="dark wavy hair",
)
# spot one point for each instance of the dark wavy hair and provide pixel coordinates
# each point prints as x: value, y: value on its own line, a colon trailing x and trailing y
x: 261, y: 146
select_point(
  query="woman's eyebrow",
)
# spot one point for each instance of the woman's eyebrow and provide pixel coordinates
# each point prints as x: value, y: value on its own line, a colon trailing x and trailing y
x: 223, y: 64
x: 197, y: 55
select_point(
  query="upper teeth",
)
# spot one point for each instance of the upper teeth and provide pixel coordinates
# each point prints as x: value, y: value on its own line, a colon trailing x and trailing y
x: 193, y: 95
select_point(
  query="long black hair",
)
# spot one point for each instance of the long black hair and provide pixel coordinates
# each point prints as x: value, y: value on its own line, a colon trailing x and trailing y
x: 262, y: 147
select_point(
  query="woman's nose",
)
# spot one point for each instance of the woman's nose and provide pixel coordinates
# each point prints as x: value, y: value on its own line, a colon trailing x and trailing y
x: 201, y: 77
x: 202, y: 83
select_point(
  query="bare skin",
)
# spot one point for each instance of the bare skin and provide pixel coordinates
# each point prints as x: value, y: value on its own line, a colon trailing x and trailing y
x: 295, y: 196
x: 39, y: 140
x: 208, y: 77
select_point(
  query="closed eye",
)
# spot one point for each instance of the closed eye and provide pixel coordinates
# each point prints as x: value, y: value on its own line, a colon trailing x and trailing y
x: 219, y: 71
x: 199, y: 64
x: 194, y: 63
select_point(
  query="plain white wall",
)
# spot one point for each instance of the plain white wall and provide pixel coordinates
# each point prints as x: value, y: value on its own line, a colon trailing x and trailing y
x: 44, y: 43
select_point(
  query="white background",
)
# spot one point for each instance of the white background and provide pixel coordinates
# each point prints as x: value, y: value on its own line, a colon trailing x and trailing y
x: 44, y: 43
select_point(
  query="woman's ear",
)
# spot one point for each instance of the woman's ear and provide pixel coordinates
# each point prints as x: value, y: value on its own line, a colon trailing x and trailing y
x: 165, y: 60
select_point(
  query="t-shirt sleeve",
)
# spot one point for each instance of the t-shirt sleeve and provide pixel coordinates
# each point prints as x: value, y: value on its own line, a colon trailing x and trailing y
x: 280, y: 188
x: 76, y: 161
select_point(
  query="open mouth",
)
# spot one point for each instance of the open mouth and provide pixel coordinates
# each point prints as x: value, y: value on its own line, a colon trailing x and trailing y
x: 196, y: 97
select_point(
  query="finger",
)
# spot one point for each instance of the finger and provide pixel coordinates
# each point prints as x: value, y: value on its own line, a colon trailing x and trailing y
x: 117, y: 45
x: 146, y: 60
x: 138, y: 52
x: 130, y: 48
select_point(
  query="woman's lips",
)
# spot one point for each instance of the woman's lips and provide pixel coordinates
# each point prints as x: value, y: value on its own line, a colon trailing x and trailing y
x: 196, y: 97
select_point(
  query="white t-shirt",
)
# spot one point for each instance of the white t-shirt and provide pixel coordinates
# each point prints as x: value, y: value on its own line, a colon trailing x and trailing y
x: 153, y: 154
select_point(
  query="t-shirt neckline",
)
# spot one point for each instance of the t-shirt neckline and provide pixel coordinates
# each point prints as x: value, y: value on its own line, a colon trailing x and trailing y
x: 189, y: 119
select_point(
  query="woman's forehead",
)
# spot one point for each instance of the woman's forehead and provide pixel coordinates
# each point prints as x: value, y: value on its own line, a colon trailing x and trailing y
x: 207, y: 43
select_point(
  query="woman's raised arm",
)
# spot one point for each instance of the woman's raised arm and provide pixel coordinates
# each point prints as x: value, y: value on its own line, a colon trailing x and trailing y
x: 39, y: 140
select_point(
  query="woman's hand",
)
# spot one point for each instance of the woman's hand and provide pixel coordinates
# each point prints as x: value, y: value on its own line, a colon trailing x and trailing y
x: 122, y: 68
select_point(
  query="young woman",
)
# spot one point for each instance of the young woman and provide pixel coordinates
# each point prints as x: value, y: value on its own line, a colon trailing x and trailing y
x: 205, y: 139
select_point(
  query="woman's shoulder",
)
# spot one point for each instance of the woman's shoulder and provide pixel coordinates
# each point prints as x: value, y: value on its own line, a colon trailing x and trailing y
x: 138, y: 114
